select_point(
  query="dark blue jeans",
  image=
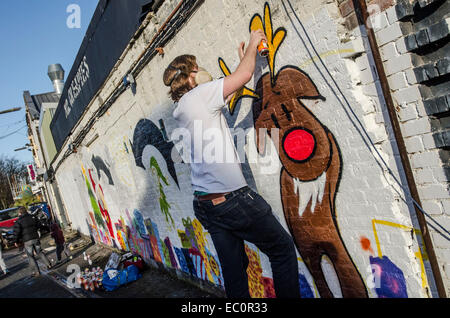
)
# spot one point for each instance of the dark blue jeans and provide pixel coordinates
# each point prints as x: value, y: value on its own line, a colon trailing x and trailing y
x: 245, y: 215
x: 59, y: 249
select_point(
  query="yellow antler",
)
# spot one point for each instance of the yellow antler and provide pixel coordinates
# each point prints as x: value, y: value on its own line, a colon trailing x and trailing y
x: 243, y: 92
x: 274, y: 40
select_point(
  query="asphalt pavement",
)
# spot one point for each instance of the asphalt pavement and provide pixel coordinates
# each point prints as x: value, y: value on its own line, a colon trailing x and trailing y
x: 55, y: 283
x: 20, y: 284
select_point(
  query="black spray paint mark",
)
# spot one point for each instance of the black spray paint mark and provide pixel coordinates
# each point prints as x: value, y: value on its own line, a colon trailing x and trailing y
x: 100, y: 165
x: 147, y: 133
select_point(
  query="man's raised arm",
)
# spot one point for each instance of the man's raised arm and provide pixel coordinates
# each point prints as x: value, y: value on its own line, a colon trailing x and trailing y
x: 244, y: 71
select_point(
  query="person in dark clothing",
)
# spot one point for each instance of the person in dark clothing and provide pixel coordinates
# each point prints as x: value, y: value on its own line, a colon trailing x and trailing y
x: 58, y: 236
x: 26, y: 231
x: 2, y: 262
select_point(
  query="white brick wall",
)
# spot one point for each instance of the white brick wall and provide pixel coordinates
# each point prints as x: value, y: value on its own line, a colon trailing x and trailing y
x: 397, y: 81
x: 389, y: 34
x: 429, y: 175
x: 367, y: 193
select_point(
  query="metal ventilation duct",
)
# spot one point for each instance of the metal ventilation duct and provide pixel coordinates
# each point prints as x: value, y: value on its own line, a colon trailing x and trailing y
x: 56, y: 74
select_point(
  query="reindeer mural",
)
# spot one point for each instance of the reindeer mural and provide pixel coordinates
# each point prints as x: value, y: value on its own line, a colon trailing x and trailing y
x: 311, y: 166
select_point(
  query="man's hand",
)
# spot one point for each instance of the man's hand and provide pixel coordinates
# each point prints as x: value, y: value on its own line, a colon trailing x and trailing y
x: 256, y: 36
x: 244, y: 71
x: 16, y: 245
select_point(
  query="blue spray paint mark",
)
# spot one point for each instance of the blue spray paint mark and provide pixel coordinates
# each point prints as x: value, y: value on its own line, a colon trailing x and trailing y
x: 305, y: 290
x: 182, y: 260
x: 389, y: 279
x: 189, y: 262
x: 139, y: 224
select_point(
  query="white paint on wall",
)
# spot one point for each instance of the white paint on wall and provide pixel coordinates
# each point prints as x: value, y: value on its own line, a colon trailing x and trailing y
x: 311, y: 191
x: 363, y: 195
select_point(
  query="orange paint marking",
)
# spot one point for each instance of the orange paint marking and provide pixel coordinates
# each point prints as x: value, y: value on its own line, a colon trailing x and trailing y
x: 365, y: 244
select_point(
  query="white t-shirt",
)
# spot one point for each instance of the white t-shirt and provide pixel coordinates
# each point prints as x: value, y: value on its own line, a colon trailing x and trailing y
x: 215, y: 167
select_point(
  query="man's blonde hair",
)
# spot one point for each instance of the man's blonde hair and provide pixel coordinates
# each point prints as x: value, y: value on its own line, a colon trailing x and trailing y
x: 176, y: 75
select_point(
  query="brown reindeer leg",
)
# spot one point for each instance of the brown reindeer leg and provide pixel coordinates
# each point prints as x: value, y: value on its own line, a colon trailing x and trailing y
x: 302, y: 232
x: 352, y: 285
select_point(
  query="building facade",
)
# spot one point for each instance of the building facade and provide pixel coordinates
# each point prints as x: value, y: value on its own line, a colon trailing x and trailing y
x: 40, y: 109
x: 367, y: 206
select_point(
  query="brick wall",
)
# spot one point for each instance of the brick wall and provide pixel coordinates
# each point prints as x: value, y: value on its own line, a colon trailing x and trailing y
x: 413, y: 41
x: 124, y: 188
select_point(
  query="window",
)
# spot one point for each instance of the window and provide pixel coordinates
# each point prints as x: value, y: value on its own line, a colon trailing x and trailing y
x: 11, y: 214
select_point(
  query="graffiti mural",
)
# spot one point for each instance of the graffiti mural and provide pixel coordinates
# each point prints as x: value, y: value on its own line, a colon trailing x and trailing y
x: 305, y: 290
x: 122, y: 234
x: 136, y: 196
x: 100, y: 221
x: 136, y: 233
x: 257, y: 285
x: 311, y: 167
x: 147, y: 133
x: 161, y: 181
x: 141, y: 236
x: 154, y: 240
x: 241, y: 93
x: 194, y: 244
x: 421, y: 254
x: 389, y: 278
x: 100, y: 165
x: 193, y: 257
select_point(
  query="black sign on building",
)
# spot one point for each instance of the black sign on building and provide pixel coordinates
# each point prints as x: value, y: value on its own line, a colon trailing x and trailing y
x: 113, y: 24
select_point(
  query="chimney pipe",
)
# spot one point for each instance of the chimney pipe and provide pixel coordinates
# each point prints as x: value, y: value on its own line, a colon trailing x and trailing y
x: 56, y: 74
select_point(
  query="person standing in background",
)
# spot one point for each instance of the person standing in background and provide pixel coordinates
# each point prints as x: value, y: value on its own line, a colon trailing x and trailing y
x: 60, y: 242
x: 2, y: 262
x: 26, y: 231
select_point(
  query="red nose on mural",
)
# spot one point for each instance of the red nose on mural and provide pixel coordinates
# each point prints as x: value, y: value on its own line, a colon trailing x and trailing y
x: 299, y: 144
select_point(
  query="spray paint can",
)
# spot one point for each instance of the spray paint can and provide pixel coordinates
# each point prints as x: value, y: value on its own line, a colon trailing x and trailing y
x: 263, y: 48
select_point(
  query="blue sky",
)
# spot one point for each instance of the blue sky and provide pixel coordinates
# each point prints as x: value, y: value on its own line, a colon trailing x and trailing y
x: 34, y: 34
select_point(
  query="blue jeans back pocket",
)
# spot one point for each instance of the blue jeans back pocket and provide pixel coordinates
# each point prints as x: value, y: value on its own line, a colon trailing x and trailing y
x: 228, y: 215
